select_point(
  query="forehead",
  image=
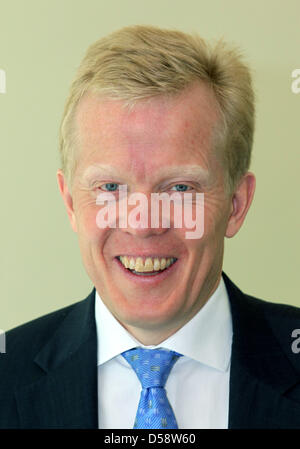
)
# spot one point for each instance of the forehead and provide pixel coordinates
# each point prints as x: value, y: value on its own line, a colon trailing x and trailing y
x: 150, y: 135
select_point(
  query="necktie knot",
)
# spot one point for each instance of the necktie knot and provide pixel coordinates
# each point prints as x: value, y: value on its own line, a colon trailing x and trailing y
x: 152, y: 366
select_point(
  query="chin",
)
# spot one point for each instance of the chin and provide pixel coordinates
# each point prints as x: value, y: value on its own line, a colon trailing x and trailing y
x: 146, y: 317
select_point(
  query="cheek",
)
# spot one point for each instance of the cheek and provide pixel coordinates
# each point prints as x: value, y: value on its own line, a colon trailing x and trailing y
x: 92, y: 239
x: 86, y: 218
x: 215, y: 213
x: 213, y: 224
x: 202, y: 219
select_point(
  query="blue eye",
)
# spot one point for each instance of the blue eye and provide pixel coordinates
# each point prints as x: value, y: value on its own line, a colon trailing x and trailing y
x: 110, y: 186
x: 181, y: 187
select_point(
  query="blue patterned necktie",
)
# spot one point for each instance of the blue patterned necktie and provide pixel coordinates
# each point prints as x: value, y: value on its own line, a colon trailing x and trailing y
x: 153, y: 366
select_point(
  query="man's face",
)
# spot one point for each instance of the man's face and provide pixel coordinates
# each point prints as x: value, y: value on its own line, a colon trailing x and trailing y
x: 159, y: 146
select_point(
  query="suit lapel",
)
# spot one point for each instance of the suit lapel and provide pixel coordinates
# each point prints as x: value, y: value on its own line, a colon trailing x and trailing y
x: 261, y: 373
x: 65, y: 395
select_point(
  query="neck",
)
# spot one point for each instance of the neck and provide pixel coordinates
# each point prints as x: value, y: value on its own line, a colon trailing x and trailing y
x: 151, y: 337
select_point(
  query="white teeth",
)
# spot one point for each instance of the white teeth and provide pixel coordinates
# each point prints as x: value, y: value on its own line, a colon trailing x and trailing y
x: 141, y: 265
x: 148, y: 264
x: 163, y: 263
x: 156, y: 265
x: 131, y: 264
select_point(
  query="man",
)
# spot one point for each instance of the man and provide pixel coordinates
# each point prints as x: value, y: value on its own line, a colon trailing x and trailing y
x: 150, y: 112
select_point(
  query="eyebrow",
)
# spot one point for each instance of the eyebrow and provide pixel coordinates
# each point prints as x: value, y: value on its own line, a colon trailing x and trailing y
x: 96, y: 170
x: 193, y: 172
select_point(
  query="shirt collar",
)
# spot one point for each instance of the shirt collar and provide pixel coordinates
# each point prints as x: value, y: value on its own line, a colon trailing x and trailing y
x: 206, y: 338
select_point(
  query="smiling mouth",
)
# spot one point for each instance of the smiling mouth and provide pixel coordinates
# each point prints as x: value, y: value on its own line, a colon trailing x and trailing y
x: 146, y: 266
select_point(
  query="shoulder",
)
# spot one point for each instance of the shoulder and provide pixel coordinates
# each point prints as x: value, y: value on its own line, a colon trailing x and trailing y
x: 249, y: 304
x: 39, y: 327
x: 261, y: 325
x: 278, y: 314
x: 54, y: 335
x: 23, y: 342
x: 284, y: 321
x: 274, y: 308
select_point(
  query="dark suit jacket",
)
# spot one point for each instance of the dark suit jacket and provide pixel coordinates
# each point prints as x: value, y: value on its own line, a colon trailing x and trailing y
x: 48, y: 375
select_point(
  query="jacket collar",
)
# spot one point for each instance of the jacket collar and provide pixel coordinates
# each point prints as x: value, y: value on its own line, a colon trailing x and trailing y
x: 77, y: 329
x: 65, y: 396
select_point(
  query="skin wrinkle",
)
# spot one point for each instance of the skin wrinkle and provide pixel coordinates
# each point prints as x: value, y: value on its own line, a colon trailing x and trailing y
x: 98, y: 173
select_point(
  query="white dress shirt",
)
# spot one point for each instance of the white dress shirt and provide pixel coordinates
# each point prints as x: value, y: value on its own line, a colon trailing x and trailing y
x: 198, y: 384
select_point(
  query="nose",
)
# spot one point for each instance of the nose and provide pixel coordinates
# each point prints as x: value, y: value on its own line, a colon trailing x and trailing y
x: 139, y: 218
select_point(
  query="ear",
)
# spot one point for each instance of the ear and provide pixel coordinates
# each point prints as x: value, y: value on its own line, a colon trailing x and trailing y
x: 67, y: 198
x: 240, y: 204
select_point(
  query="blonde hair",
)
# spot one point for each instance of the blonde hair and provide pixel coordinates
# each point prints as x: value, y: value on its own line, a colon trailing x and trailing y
x: 140, y: 62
